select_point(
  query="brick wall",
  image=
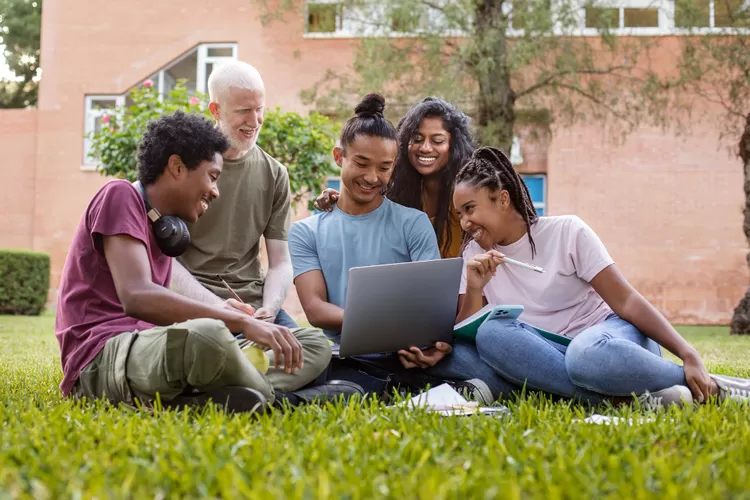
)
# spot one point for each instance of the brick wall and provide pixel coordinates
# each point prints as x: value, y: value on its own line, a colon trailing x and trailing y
x: 669, y: 210
x: 18, y: 147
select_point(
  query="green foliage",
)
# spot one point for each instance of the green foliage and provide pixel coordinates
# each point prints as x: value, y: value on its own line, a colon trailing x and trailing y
x: 20, y: 28
x: 115, y: 146
x: 494, y: 58
x: 303, y: 144
x: 716, y: 67
x: 52, y: 447
x: 24, y: 281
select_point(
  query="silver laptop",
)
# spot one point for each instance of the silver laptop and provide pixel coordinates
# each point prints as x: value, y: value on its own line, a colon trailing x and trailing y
x: 395, y: 306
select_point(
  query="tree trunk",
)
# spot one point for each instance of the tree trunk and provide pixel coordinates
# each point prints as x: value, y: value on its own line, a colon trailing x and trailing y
x: 495, y: 108
x: 741, y: 320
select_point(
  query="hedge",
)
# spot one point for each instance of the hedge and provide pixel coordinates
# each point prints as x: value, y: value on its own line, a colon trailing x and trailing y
x: 24, y: 282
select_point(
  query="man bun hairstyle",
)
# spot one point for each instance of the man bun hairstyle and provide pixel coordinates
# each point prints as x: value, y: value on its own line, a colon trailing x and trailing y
x: 489, y: 167
x: 368, y: 120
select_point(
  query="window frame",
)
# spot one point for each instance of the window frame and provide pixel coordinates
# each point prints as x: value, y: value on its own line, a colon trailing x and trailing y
x: 666, y: 20
x: 202, y: 60
x: 543, y: 204
x: 89, y: 124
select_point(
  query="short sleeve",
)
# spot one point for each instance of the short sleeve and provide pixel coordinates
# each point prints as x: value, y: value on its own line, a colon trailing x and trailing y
x: 421, y: 240
x: 302, y: 250
x: 118, y: 209
x: 278, y: 225
x: 468, y: 253
x: 589, y: 254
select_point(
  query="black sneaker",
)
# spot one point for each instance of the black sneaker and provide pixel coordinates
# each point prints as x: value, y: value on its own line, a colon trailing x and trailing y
x: 330, y: 390
x: 474, y: 390
x: 234, y: 399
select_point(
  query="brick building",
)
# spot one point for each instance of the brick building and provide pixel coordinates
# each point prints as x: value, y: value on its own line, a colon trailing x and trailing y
x: 668, y: 208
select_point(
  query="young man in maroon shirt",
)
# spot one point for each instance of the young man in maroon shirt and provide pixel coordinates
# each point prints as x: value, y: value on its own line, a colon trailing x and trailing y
x: 124, y: 335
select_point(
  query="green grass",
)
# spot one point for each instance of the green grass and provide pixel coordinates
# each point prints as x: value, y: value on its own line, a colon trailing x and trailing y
x: 51, y: 447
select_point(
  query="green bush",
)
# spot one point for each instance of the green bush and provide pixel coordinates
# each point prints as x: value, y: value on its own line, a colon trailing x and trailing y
x: 24, y: 282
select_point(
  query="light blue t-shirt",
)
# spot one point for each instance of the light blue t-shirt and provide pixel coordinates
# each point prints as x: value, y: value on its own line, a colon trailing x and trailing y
x: 334, y: 242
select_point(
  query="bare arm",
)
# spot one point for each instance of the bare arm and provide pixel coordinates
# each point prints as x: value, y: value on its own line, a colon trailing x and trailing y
x: 279, y: 276
x: 470, y: 303
x: 185, y: 284
x: 479, y: 271
x: 143, y: 299
x: 311, y: 289
x: 631, y: 306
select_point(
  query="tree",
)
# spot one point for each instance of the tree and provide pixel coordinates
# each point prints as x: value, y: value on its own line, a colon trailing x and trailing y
x: 20, y: 30
x: 303, y: 144
x: 498, y: 60
x: 716, y: 67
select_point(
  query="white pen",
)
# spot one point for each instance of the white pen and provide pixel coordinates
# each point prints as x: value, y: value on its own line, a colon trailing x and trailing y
x: 522, y: 264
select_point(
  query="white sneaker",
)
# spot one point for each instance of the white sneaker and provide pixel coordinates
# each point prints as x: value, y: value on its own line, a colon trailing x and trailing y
x: 679, y: 395
x: 736, y: 389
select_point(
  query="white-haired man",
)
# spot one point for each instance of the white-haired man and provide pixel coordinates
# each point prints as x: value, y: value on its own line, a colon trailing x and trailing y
x: 254, y: 202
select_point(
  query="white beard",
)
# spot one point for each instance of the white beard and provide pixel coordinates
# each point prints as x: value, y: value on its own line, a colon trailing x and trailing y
x: 238, y: 143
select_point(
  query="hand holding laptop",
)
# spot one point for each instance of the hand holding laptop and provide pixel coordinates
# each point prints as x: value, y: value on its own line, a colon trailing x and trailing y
x: 414, y: 357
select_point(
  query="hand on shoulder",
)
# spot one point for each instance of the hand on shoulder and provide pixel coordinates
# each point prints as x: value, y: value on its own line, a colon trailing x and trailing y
x: 327, y: 200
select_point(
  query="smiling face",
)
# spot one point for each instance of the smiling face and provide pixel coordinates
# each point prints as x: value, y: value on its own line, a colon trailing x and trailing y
x: 429, y: 147
x: 485, y: 215
x: 240, y: 117
x: 197, y: 188
x: 366, y: 167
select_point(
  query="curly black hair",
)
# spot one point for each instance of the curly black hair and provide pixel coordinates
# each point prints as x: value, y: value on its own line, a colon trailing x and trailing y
x: 405, y: 187
x: 191, y: 137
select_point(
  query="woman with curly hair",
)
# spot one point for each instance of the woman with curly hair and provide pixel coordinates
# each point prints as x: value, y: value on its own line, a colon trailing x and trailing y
x: 434, y: 142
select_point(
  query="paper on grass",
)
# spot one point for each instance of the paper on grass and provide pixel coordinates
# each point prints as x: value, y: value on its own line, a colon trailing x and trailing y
x: 445, y: 400
x: 607, y: 420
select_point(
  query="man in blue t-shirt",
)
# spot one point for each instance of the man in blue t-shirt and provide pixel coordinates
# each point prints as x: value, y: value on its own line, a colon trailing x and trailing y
x: 334, y: 242
x: 365, y: 229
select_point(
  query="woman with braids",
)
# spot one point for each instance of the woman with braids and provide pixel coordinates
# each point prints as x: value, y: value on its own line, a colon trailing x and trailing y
x: 434, y: 141
x: 616, y: 333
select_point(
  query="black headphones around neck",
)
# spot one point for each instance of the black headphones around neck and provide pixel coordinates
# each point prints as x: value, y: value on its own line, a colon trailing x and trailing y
x: 171, y: 232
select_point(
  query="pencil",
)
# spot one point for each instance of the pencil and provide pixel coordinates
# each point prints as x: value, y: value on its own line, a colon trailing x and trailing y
x: 238, y: 297
x: 230, y: 289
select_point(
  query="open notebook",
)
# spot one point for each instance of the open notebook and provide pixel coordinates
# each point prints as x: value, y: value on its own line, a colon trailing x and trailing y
x: 467, y: 329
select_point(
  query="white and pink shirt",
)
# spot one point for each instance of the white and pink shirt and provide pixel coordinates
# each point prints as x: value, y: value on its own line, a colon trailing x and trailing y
x: 560, y: 300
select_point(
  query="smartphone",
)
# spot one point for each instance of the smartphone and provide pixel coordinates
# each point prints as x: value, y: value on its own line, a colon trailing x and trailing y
x: 505, y: 312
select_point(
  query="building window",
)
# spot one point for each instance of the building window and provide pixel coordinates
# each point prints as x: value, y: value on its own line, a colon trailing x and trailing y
x: 97, y: 106
x: 708, y: 13
x: 194, y: 67
x: 537, y: 184
x: 324, y: 17
x: 622, y: 17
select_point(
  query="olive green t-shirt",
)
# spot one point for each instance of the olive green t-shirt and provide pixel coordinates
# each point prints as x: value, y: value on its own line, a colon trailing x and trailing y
x: 253, y: 200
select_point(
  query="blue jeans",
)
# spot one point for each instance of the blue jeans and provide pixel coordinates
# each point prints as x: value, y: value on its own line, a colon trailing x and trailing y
x: 283, y: 319
x: 377, y: 372
x: 611, y: 358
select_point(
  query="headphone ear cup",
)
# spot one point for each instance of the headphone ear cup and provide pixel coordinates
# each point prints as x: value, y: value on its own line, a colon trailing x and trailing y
x: 172, y: 235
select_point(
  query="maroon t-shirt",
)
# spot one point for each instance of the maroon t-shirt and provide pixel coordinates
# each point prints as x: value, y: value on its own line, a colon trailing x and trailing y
x: 88, y: 310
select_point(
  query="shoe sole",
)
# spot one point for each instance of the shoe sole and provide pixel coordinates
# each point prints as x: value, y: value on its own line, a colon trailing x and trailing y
x: 233, y: 399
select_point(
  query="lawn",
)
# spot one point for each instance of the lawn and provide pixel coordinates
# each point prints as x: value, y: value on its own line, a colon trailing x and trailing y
x: 50, y: 447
